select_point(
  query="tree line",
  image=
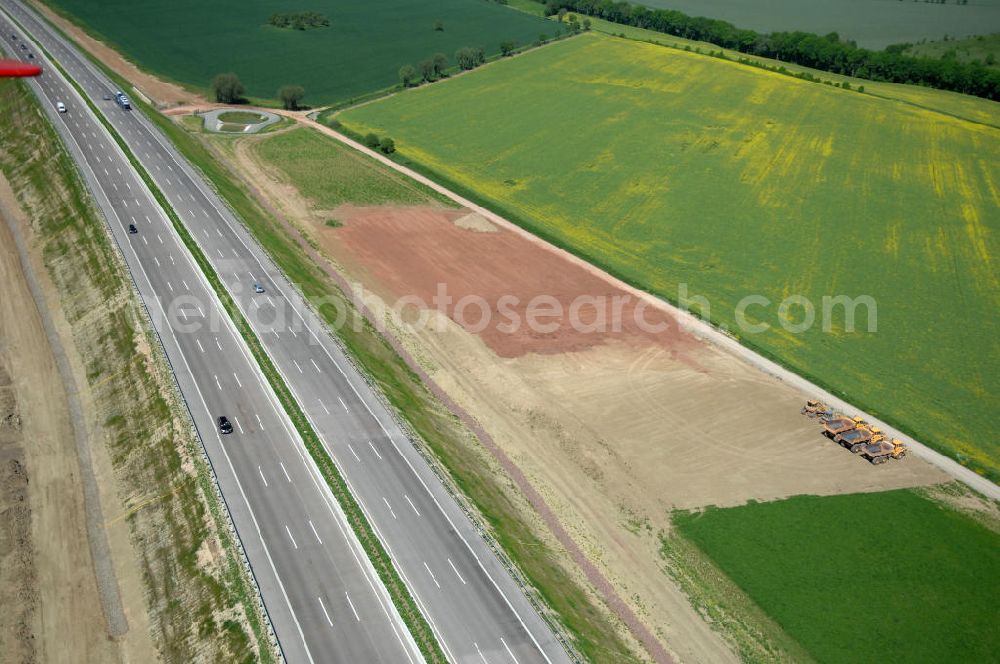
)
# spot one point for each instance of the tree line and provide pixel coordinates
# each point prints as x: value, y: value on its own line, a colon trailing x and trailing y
x: 828, y: 52
x: 434, y: 67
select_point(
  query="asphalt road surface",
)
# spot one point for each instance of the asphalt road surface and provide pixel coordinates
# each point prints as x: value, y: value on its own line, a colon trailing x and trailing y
x: 323, y: 598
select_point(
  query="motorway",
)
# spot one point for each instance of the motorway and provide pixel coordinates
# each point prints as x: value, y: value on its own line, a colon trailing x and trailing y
x: 323, y: 598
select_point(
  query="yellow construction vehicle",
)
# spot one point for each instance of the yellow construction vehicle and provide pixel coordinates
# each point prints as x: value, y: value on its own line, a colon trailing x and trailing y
x: 838, y: 424
x: 883, y: 450
x: 814, y: 409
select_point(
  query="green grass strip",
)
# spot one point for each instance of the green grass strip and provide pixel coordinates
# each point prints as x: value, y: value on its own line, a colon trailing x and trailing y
x: 416, y: 623
x: 234, y: 572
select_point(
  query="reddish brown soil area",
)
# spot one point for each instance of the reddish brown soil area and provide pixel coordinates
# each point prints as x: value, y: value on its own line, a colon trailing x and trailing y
x: 518, y: 297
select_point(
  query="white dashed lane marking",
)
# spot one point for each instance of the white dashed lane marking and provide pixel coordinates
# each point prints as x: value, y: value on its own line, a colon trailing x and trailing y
x: 329, y: 622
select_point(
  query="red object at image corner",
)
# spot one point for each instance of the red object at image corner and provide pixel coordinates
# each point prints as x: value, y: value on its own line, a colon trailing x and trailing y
x: 12, y: 68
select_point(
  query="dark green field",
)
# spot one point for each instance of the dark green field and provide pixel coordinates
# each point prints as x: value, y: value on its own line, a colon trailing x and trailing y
x: 871, y: 23
x: 882, y: 577
x: 367, y: 42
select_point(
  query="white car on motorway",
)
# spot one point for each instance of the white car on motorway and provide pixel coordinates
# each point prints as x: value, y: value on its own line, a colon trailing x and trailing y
x: 61, y: 107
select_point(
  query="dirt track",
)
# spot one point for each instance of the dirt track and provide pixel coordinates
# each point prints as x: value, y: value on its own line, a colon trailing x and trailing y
x: 55, y: 587
x: 613, y: 430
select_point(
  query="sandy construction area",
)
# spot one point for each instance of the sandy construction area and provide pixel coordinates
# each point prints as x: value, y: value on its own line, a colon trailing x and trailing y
x: 614, y: 429
x: 52, y: 607
x: 663, y: 414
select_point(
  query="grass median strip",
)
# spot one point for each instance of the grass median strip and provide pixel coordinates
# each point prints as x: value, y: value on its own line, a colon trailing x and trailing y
x: 566, y: 600
x: 379, y: 557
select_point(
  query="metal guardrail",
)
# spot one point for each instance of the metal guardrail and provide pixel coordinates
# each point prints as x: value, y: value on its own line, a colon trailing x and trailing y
x: 529, y: 591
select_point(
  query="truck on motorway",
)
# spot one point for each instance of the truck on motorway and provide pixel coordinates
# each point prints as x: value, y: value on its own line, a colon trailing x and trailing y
x: 122, y: 100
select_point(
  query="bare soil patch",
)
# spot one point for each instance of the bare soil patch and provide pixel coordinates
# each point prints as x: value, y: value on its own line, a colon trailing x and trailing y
x: 18, y: 572
x: 161, y: 92
x: 615, y: 429
x: 612, y: 429
x: 417, y: 250
x: 50, y: 590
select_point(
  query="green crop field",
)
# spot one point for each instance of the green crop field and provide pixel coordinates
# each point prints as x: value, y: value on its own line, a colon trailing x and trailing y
x: 361, y: 51
x: 880, y: 577
x: 331, y: 174
x: 871, y: 23
x: 672, y: 168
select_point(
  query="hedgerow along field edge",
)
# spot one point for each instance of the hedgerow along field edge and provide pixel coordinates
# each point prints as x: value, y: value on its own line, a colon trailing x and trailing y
x: 361, y: 51
x: 669, y: 168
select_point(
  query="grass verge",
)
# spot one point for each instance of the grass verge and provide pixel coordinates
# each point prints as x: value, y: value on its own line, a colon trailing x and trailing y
x: 450, y: 443
x: 198, y: 606
x: 405, y: 604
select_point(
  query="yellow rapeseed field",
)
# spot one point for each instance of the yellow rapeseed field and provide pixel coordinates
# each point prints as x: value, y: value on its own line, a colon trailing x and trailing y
x: 676, y: 170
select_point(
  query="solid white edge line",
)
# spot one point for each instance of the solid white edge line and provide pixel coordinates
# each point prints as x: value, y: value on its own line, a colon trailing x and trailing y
x: 89, y: 112
x: 199, y: 186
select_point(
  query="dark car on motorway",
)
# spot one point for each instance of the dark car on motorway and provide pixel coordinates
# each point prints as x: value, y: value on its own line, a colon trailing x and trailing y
x: 224, y: 425
x: 132, y: 229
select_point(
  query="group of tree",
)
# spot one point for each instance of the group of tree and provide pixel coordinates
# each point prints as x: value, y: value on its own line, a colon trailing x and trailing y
x: 828, y: 52
x: 427, y: 70
x: 433, y: 68
x: 470, y: 57
x: 299, y: 20
x: 228, y: 89
x: 573, y: 21
x: 385, y: 144
x: 290, y: 96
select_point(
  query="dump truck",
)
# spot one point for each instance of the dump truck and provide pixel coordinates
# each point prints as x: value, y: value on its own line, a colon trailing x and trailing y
x: 838, y: 424
x: 883, y: 450
x: 855, y: 439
